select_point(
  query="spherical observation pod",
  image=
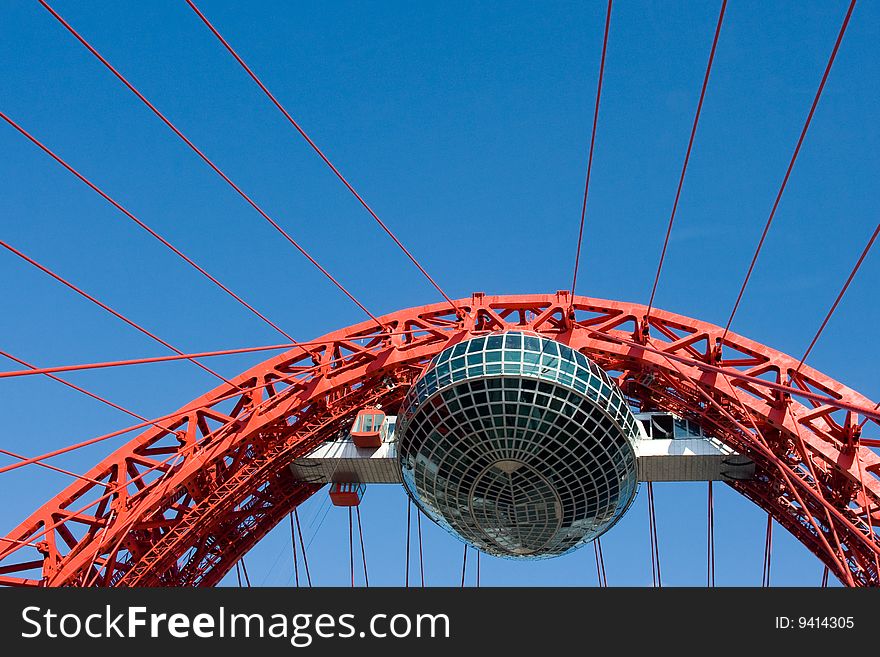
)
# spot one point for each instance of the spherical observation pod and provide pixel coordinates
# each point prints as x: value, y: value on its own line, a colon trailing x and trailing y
x: 518, y: 444
x: 182, y: 501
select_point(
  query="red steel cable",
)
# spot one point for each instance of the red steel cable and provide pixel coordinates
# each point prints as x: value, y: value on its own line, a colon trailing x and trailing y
x: 91, y: 441
x: 655, y: 543
x: 710, y: 568
x: 52, y: 467
x: 478, y: 569
x: 687, y: 155
x: 598, y: 569
x: 73, y: 386
x: 244, y: 570
x: 113, y: 434
x: 88, y: 393
x: 408, y: 513
x: 768, y: 548
x: 464, y: 565
x: 170, y: 416
x: 204, y: 157
x: 788, y: 171
x: 104, y: 306
x: 141, y: 361
x: 302, y: 546
x: 351, y: 546
x: 317, y: 150
x: 601, y: 579
x: 140, y: 223
x: 651, y: 541
x: 577, y: 257
x: 293, y: 543
x: 363, y: 553
x: 843, y: 290
x: 421, y: 557
x: 201, y: 354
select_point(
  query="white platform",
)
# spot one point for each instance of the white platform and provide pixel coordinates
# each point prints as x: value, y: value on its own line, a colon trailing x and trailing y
x: 690, y: 456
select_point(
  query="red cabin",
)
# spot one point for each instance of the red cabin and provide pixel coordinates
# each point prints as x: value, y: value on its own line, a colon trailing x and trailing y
x: 347, y: 493
x: 366, y: 431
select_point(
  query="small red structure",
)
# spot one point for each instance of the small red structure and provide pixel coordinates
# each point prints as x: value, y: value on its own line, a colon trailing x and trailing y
x: 367, y: 426
x: 347, y: 493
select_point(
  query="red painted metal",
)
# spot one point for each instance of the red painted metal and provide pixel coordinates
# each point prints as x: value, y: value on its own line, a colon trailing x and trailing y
x: 181, y: 506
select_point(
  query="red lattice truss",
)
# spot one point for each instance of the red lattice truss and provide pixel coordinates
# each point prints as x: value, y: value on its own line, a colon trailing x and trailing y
x: 182, y: 502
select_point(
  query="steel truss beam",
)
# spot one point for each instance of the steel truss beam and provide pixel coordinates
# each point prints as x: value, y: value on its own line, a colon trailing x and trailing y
x: 179, y: 505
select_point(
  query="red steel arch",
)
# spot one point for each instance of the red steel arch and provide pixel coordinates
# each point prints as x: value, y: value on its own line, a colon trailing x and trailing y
x: 182, y: 502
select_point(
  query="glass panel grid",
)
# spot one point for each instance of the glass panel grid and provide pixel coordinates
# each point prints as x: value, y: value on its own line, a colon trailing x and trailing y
x: 523, y: 447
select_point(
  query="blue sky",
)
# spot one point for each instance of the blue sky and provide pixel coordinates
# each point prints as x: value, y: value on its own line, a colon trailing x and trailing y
x: 465, y: 125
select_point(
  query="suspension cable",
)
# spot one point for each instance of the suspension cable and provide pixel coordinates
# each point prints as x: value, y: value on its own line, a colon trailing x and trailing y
x: 768, y: 549
x: 464, y: 565
x: 408, y: 513
x: 788, y: 171
x: 238, y: 573
x: 687, y: 155
x: 205, y: 158
x: 176, y: 415
x: 244, y: 570
x: 293, y: 543
x: 843, y: 290
x: 363, y: 552
x: 601, y: 578
x: 421, y: 556
x: 52, y: 467
x: 85, y: 443
x: 317, y: 150
x: 655, y: 544
x: 142, y: 225
x: 82, y: 390
x: 107, y: 308
x: 141, y: 361
x: 763, y: 443
x: 710, y: 568
x: 302, y: 547
x: 577, y: 257
x: 478, y: 568
x: 351, y: 546
x: 203, y: 354
x: 825, y: 577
